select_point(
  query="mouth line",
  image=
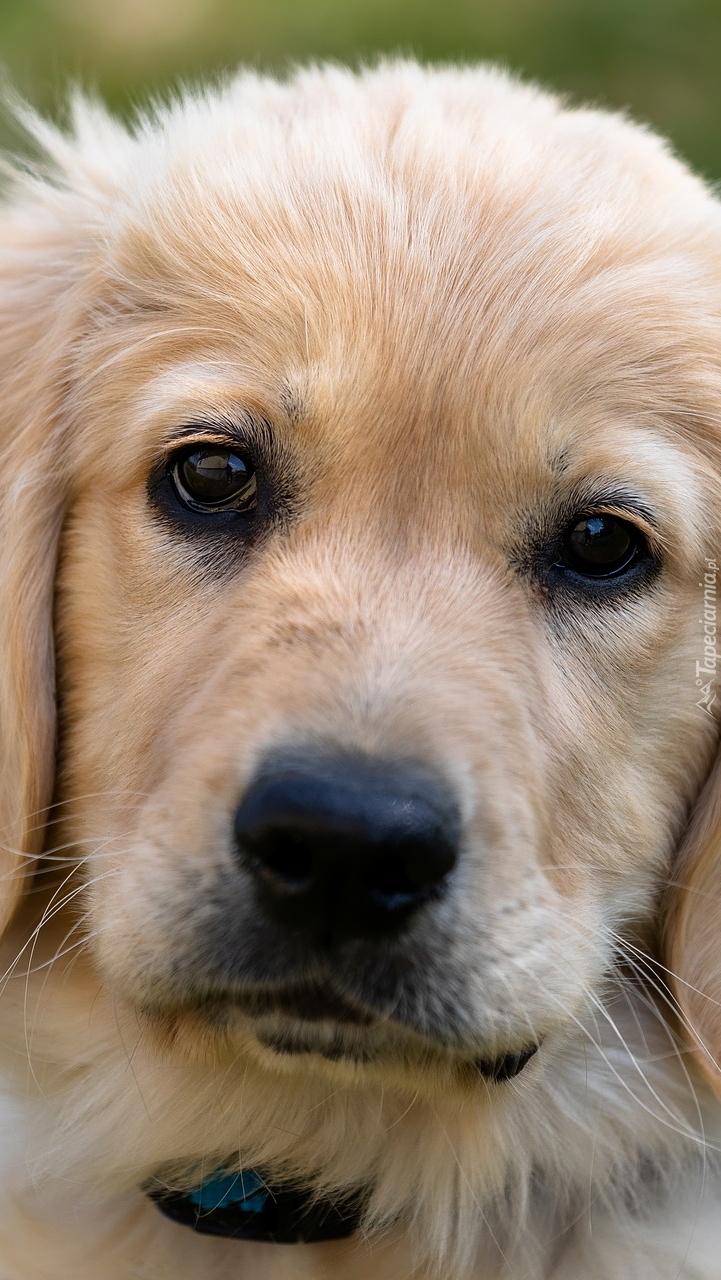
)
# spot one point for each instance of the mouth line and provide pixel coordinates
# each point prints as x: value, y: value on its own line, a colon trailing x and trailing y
x: 299, y: 1021
x: 506, y: 1067
x: 337, y: 1047
x: 314, y: 1019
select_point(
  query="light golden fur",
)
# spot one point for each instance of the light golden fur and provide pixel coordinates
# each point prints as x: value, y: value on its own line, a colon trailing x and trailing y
x: 458, y: 305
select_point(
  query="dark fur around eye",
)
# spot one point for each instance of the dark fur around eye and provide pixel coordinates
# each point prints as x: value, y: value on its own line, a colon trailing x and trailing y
x: 593, y: 550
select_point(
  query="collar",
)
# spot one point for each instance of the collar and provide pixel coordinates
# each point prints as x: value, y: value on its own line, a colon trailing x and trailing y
x: 244, y: 1206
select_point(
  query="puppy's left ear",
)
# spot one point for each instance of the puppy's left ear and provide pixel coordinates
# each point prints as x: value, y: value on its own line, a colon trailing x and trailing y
x: 50, y: 226
x: 693, y: 932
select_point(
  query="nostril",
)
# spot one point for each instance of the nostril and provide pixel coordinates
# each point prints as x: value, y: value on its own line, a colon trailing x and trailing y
x: 284, y: 859
x: 398, y: 879
x: 389, y: 883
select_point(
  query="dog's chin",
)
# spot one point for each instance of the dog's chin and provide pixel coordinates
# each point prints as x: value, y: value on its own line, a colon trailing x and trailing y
x: 313, y: 1026
x: 377, y: 1048
x: 305, y: 1026
x: 336, y: 1042
x: 300, y: 1020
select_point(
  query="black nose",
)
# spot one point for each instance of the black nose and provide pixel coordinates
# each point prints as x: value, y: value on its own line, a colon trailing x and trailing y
x: 346, y: 847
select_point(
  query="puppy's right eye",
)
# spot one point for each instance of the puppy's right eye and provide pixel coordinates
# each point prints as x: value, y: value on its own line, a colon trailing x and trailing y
x: 211, y: 478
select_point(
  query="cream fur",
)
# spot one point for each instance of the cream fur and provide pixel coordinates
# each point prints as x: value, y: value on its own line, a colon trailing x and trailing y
x: 455, y: 305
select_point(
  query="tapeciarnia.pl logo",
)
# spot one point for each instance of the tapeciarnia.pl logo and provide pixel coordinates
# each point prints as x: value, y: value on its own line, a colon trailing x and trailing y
x: 706, y: 671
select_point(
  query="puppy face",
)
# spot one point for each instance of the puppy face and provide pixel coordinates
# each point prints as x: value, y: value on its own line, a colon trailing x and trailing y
x: 363, y: 433
x: 394, y: 463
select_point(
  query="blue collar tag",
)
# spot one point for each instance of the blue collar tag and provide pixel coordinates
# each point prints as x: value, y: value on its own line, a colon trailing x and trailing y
x: 243, y: 1206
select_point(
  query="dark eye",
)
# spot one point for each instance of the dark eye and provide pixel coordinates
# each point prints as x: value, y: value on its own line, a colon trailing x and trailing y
x: 601, y: 546
x: 210, y: 478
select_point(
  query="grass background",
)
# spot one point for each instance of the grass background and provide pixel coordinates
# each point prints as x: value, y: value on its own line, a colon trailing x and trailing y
x: 660, y: 59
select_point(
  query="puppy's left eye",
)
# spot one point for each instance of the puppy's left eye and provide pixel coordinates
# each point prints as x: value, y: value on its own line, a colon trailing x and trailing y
x: 211, y: 478
x: 601, y: 546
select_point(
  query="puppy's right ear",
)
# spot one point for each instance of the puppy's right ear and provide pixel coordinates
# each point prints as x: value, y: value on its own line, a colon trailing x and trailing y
x: 48, y: 227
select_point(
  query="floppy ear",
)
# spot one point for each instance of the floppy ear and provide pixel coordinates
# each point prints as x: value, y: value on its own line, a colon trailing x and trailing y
x: 48, y: 226
x: 693, y: 932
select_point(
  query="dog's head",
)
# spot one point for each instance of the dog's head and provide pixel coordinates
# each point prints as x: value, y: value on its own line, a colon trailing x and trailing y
x: 366, y: 433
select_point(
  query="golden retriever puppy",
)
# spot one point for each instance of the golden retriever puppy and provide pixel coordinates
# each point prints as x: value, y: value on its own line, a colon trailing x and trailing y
x: 360, y: 514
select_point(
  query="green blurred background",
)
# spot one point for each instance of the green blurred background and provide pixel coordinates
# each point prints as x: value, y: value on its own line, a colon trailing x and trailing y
x: 661, y: 59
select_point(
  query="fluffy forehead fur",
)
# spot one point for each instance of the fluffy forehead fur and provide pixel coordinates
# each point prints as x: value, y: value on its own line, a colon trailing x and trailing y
x: 446, y: 314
